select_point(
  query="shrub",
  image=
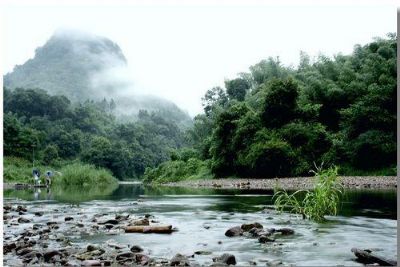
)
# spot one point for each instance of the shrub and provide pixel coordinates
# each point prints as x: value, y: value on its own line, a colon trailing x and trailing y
x: 84, y: 174
x: 177, y: 170
x: 323, y: 200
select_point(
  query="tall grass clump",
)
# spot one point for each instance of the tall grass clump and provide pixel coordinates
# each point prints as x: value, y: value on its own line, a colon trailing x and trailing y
x: 79, y: 174
x: 315, y: 204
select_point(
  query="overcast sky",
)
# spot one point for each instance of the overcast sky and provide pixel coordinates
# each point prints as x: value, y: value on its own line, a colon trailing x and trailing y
x: 178, y: 52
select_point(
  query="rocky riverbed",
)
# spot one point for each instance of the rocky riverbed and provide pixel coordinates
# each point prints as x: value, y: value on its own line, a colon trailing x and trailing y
x: 208, y: 228
x: 354, y: 182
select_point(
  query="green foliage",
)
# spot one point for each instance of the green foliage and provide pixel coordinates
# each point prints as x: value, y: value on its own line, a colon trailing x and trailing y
x: 177, y: 170
x: 315, y: 204
x: 50, y: 129
x: 78, y: 174
x: 50, y: 154
x: 237, y: 88
x: 269, y: 157
x: 280, y: 103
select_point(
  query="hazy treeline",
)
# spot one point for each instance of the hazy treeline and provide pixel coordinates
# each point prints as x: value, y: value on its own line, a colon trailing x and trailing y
x: 54, y: 132
x: 277, y: 121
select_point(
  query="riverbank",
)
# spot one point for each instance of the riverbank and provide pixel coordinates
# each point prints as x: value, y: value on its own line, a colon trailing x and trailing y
x: 355, y: 182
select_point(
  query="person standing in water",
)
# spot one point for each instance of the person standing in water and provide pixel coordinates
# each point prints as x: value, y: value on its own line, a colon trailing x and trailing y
x: 36, y: 176
x: 49, y: 174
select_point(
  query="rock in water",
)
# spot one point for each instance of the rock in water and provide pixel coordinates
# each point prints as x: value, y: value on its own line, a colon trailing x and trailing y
x: 179, y: 260
x: 226, y: 258
x: 368, y: 257
x: 285, y: 231
x: 265, y: 239
x: 234, y: 231
x: 136, y: 249
x: 246, y: 227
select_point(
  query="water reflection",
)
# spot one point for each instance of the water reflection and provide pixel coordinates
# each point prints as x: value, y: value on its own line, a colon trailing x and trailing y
x: 370, y: 203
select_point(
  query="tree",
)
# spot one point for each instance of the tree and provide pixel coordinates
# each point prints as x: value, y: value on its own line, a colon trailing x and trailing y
x: 280, y: 104
x: 213, y: 100
x: 237, y: 88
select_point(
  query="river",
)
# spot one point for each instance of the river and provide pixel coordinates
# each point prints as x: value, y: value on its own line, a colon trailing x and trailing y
x: 366, y: 219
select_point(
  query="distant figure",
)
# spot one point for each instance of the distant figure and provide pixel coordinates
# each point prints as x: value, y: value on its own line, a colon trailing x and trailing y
x: 49, y: 174
x: 36, y: 177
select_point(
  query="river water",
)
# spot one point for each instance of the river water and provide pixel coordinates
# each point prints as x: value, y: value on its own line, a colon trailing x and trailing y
x: 367, y: 219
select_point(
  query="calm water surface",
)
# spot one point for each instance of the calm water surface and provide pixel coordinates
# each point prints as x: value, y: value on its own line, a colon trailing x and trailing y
x: 367, y: 219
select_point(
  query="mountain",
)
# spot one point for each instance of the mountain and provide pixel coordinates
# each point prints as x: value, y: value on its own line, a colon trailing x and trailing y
x: 84, y: 66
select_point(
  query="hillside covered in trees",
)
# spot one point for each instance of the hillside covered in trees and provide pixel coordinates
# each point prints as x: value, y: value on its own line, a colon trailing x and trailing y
x: 83, y: 66
x: 53, y: 131
x: 277, y: 121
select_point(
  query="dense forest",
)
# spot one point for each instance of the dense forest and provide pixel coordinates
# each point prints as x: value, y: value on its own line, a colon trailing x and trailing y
x: 52, y: 131
x: 277, y: 121
x: 273, y: 121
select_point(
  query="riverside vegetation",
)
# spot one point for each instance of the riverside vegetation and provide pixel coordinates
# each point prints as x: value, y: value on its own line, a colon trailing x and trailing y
x: 322, y: 200
x: 273, y: 121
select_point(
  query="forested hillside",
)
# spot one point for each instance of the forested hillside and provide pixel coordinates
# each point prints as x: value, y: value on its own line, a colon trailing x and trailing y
x: 55, y: 132
x: 277, y: 121
x: 83, y: 66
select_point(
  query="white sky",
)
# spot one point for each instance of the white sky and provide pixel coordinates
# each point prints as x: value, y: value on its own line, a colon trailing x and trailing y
x: 178, y: 51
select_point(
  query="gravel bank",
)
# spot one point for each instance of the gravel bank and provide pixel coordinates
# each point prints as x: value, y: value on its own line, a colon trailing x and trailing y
x: 376, y: 182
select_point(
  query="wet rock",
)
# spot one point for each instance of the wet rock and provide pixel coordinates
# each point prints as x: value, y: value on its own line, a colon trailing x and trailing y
x: 136, y: 249
x: 226, y: 258
x: 147, y: 216
x: 285, y: 231
x: 50, y: 254
x: 109, y: 226
x: 23, y: 220
x: 142, y: 259
x: 91, y: 263
x: 91, y: 247
x: 21, y: 208
x: 255, y: 232
x: 206, y: 226
x: 111, y: 221
x: 125, y: 255
x: 112, y: 244
x: 39, y: 213
x: 202, y: 252
x: 33, y: 254
x: 7, y: 207
x: 24, y: 251
x: 234, y: 231
x: 37, y: 226
x: 68, y: 218
x: 179, y: 260
x: 247, y: 227
x: 141, y: 222
x: 9, y: 247
x: 51, y: 223
x: 120, y: 217
x: 265, y: 239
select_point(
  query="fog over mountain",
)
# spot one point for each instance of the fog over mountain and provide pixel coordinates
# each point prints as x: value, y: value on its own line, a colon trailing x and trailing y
x: 83, y: 66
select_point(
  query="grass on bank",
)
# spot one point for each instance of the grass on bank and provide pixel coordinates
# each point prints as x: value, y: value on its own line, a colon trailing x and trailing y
x: 315, y: 204
x: 17, y: 170
x: 178, y: 170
